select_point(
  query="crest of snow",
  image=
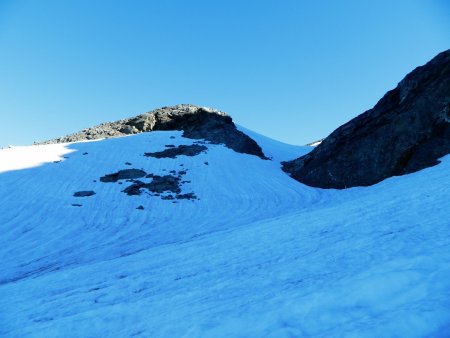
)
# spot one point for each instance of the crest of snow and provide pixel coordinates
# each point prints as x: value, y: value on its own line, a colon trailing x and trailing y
x: 315, y: 144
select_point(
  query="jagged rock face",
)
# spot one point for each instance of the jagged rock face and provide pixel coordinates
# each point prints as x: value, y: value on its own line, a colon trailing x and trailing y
x: 407, y: 130
x: 195, y: 122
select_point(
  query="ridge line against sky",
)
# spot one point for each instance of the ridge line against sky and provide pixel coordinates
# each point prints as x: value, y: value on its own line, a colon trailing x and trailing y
x: 291, y: 70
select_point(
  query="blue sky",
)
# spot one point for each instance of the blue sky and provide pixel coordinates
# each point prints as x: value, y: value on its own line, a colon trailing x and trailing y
x: 292, y: 70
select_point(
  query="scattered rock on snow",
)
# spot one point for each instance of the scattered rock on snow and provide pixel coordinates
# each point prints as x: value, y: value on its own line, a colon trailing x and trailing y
x: 189, y: 150
x: 125, y: 174
x: 188, y: 196
x: 160, y: 185
x: 84, y: 193
x: 134, y: 189
x: 164, y: 183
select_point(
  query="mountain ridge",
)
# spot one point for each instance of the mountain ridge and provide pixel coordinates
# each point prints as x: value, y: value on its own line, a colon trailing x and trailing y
x: 196, y: 122
x: 406, y: 131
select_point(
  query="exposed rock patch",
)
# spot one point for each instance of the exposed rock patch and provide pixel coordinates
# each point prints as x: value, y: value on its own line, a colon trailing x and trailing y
x: 134, y: 189
x: 196, y: 123
x: 165, y: 184
x: 126, y: 174
x: 160, y: 185
x: 188, y: 196
x: 84, y: 193
x: 407, y: 130
x: 189, y: 150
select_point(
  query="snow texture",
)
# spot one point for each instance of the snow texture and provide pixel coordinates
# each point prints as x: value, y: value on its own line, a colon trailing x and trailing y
x: 256, y: 255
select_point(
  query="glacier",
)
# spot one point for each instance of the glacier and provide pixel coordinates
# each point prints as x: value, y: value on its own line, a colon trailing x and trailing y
x: 258, y: 254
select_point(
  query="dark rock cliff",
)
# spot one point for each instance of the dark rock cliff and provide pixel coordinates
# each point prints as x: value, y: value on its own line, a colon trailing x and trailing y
x: 407, y: 130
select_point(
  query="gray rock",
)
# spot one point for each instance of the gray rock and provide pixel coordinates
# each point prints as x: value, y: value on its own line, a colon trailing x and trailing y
x: 407, y: 130
x: 158, y: 185
x: 195, y: 122
x: 84, y: 193
x: 186, y: 150
x: 126, y: 174
x: 134, y: 189
x: 165, y: 183
x: 188, y: 196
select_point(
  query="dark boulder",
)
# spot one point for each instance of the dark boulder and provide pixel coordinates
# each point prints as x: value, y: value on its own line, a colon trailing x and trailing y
x: 125, y: 174
x: 186, y: 150
x: 84, y: 193
x: 407, y: 130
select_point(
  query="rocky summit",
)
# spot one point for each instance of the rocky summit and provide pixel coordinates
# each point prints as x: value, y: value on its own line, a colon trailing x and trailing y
x: 407, y: 130
x: 196, y: 123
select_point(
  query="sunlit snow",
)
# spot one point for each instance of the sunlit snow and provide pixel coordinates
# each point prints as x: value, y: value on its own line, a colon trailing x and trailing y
x: 14, y: 158
x: 257, y: 255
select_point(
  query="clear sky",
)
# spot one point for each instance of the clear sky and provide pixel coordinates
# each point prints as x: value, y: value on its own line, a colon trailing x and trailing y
x: 292, y: 70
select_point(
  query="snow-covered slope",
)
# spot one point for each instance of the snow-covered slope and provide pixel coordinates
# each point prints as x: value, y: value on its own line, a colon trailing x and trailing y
x: 257, y: 254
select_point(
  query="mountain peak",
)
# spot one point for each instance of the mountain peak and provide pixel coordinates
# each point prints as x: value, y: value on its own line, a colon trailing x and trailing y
x: 196, y: 122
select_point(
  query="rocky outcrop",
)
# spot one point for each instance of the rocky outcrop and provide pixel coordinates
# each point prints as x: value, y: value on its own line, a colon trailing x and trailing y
x: 169, y: 184
x: 407, y: 130
x: 84, y: 193
x: 196, y: 123
x: 172, y: 152
x: 126, y: 174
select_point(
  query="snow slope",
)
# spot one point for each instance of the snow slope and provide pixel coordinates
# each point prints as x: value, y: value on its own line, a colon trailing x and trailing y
x: 257, y: 255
